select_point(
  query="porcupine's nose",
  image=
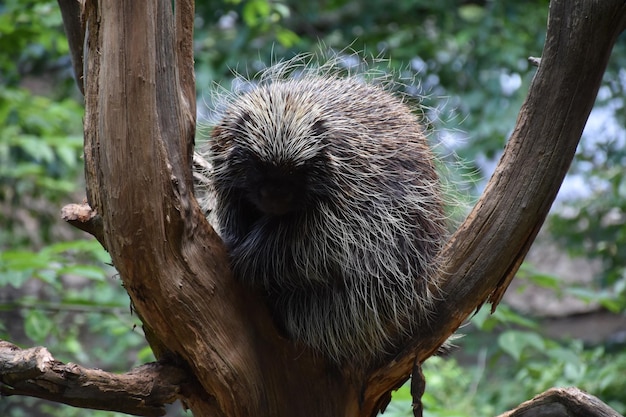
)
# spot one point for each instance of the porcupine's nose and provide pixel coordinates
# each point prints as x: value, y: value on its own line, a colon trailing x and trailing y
x: 275, y: 198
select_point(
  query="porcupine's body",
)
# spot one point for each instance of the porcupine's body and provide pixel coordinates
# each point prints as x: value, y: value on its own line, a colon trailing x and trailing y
x: 328, y: 200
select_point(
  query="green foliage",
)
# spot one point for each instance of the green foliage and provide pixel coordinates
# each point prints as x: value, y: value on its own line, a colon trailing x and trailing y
x: 39, y: 145
x: 517, y: 366
x: 40, y: 139
x: 54, y: 292
x: 469, y: 60
x: 30, y: 39
x: 78, y: 311
x: 594, y: 225
x: 65, y: 298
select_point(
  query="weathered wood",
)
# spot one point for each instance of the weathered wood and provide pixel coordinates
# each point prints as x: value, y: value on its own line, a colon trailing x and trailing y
x: 563, y: 402
x: 142, y: 391
x: 139, y: 127
x: 84, y: 218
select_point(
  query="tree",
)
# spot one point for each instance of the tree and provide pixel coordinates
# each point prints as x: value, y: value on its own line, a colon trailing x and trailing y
x: 218, y: 348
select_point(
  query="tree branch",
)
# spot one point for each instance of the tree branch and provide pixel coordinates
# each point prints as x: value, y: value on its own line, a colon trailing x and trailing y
x: 72, y: 13
x: 484, y: 254
x: 563, y: 402
x: 84, y: 218
x: 139, y: 127
x: 34, y: 372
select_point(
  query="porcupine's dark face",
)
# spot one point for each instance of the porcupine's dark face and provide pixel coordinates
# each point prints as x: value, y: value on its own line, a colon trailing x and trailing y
x: 274, y: 190
x: 272, y: 170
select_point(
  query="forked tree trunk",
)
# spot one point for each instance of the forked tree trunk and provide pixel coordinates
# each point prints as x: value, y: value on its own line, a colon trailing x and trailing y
x: 139, y: 130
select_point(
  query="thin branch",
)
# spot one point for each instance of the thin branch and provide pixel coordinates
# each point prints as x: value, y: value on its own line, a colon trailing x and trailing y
x: 72, y: 12
x: 185, y: 16
x: 563, y: 402
x: 69, y: 307
x: 143, y: 391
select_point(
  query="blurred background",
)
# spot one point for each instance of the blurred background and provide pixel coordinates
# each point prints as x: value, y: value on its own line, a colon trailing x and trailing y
x: 463, y: 64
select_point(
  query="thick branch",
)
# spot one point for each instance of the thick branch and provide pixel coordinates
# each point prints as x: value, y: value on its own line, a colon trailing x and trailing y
x: 139, y: 130
x: 34, y: 372
x: 484, y: 254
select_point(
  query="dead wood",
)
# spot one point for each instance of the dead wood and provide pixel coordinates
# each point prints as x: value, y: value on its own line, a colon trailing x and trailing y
x: 563, y: 402
x: 142, y: 391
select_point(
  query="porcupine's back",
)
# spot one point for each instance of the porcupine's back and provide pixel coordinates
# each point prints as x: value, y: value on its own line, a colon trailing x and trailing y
x: 328, y: 200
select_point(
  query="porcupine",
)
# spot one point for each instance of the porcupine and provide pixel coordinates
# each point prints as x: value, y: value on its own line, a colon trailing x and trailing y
x: 328, y: 200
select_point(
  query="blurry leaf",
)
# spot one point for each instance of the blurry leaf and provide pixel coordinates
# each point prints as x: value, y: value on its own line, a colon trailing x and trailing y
x: 48, y: 276
x: 85, y: 271
x: 514, y: 342
x: 254, y: 11
x: 22, y: 261
x: 505, y: 314
x: 287, y: 38
x: 37, y: 325
x: 471, y: 12
x: 73, y: 345
x: 545, y: 280
x: 67, y: 155
x: 563, y: 354
x: 72, y: 245
x: 14, y: 278
x: 145, y: 355
x: 482, y: 319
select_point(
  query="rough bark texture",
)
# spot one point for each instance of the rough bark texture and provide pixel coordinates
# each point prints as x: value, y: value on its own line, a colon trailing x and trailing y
x: 563, y: 402
x: 139, y: 128
x: 142, y: 391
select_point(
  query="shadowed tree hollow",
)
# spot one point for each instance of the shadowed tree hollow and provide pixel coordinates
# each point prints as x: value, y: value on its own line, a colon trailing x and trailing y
x: 218, y: 348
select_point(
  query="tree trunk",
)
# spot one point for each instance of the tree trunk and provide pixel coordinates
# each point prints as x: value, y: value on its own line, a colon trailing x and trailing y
x: 139, y: 132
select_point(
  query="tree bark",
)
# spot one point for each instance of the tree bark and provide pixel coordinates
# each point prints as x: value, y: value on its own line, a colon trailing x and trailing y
x: 139, y: 129
x: 142, y: 391
x: 563, y: 402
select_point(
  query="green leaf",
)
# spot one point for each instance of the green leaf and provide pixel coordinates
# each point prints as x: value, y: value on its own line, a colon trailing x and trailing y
x: 287, y: 38
x: 14, y: 278
x: 505, y: 314
x: 37, y: 325
x: 255, y: 12
x: 49, y: 276
x: 545, y: 280
x: 92, y: 272
x: 146, y: 355
x: 36, y: 148
x: 23, y: 261
x: 514, y: 342
x: 471, y: 12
